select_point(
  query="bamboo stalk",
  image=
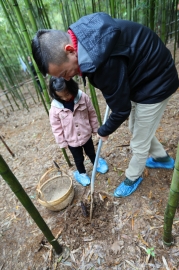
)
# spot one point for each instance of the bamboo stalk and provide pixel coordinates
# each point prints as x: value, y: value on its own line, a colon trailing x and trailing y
x: 44, y: 14
x: 95, y: 102
x: 20, y: 193
x: 28, y: 43
x: 62, y: 13
x: 112, y: 8
x: 172, y: 204
x: 6, y: 94
x: 129, y: 10
x: 74, y: 11
x: 66, y: 157
x: 151, y: 13
x: 176, y: 28
x: 163, y: 23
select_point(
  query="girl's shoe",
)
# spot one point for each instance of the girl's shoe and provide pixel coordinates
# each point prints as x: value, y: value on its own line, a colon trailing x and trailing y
x: 124, y: 190
x: 82, y: 178
x: 152, y: 163
x: 102, y: 166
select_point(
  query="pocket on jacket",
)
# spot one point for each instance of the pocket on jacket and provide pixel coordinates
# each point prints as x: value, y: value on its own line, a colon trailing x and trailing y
x: 64, y: 118
x: 83, y: 112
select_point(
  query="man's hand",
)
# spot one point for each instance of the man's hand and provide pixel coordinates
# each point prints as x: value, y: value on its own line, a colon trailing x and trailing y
x: 104, y: 139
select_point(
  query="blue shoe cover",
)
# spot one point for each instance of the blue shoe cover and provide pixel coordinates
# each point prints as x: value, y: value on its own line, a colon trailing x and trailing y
x: 82, y: 178
x: 102, y: 166
x: 123, y: 191
x: 151, y: 163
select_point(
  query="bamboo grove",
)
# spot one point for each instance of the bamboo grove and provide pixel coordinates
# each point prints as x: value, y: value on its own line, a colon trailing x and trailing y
x: 20, y: 19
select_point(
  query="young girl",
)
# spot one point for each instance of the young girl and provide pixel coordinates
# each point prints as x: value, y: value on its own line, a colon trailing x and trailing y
x: 73, y: 120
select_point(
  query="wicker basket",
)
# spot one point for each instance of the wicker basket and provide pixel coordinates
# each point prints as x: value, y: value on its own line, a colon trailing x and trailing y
x: 55, y: 190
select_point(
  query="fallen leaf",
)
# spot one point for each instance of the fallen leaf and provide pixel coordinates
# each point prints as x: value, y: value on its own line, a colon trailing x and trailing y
x: 116, y: 247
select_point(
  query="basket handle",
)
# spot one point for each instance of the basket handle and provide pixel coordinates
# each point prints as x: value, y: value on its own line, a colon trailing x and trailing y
x: 39, y: 184
x: 43, y: 198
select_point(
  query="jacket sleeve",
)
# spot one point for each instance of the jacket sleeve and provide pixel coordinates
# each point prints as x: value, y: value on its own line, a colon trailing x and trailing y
x: 57, y: 128
x: 112, y: 80
x: 92, y: 115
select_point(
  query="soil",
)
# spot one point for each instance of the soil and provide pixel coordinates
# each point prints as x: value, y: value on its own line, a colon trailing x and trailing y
x: 124, y: 233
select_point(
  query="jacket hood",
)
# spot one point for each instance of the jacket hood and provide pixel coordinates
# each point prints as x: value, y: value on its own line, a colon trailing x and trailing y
x: 58, y: 104
x: 98, y: 33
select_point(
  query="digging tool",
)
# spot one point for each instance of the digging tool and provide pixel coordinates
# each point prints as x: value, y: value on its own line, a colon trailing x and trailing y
x: 95, y: 164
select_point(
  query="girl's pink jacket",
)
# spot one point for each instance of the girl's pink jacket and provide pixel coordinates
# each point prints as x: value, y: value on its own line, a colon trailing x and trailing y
x: 73, y: 128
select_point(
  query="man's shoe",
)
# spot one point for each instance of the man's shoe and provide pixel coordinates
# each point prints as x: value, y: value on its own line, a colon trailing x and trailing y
x: 82, y: 178
x: 152, y: 163
x: 125, y: 190
x: 102, y: 166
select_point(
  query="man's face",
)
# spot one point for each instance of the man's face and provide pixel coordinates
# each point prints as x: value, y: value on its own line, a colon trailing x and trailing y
x: 68, y: 69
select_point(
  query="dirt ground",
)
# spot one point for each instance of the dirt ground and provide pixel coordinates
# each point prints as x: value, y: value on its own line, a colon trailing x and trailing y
x: 124, y: 233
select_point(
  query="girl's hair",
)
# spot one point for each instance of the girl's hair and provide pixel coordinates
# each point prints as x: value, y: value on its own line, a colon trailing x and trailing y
x: 60, y: 84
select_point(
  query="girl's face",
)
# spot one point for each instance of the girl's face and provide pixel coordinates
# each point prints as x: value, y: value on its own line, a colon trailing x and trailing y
x: 64, y: 95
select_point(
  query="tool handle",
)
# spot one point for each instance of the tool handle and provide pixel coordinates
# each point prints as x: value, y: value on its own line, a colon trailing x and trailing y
x: 97, y: 153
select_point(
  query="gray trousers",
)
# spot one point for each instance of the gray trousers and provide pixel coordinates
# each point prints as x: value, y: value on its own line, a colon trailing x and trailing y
x: 143, y: 123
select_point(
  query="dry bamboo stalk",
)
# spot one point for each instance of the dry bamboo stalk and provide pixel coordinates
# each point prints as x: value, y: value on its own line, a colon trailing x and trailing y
x: 6, y: 146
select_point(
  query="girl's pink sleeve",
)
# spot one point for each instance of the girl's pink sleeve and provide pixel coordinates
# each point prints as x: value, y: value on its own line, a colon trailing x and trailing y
x: 57, y: 128
x: 92, y: 115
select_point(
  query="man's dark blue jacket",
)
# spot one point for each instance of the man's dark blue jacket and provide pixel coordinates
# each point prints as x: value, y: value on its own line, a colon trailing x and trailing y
x: 126, y: 61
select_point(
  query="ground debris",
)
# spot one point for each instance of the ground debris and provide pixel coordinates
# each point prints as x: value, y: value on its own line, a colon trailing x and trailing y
x: 121, y: 231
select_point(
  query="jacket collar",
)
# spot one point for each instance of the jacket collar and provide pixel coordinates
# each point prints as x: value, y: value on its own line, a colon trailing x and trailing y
x: 58, y: 104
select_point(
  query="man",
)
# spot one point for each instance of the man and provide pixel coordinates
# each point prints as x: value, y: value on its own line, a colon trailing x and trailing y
x: 133, y: 69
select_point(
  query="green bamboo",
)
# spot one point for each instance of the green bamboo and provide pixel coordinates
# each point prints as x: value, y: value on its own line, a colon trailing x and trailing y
x: 20, y: 193
x: 74, y: 11
x: 151, y: 14
x: 129, y: 10
x: 35, y: 11
x: 158, y: 17
x: 176, y: 28
x: 95, y: 102
x: 68, y: 13
x: 44, y: 14
x: 30, y: 15
x: 66, y: 157
x: 93, y: 6
x: 137, y: 12
x: 8, y: 88
x: 6, y: 94
x: 77, y: 3
x: 14, y: 89
x: 62, y: 12
x: 169, y: 17
x: 11, y: 74
x: 172, y: 204
x: 84, y: 7
x: 134, y: 13
x: 112, y: 8
x: 28, y: 43
x: 163, y: 22
x: 107, y: 7
x: 99, y: 5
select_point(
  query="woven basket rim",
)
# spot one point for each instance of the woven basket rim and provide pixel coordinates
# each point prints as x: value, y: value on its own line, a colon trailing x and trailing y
x: 61, y: 199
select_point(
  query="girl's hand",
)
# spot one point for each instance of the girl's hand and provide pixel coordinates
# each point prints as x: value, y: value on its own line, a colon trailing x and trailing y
x: 104, y: 139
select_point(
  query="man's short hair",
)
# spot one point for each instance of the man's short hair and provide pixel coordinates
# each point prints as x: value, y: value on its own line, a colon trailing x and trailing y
x: 48, y: 47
